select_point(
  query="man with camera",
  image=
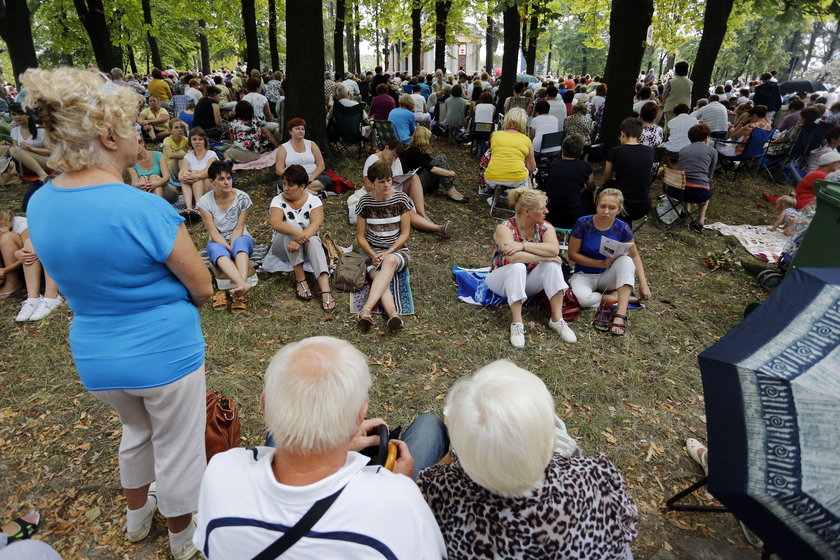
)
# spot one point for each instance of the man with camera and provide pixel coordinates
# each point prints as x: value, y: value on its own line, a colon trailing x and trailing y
x: 314, y: 494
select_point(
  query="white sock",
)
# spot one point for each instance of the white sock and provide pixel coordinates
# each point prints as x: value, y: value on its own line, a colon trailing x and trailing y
x: 178, y: 540
x: 136, y: 517
x: 33, y: 299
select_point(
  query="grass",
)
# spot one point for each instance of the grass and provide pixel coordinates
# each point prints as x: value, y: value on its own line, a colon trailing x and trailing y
x: 634, y: 398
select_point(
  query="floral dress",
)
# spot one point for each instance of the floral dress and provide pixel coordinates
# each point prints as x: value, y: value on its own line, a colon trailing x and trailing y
x: 651, y: 135
x: 247, y: 135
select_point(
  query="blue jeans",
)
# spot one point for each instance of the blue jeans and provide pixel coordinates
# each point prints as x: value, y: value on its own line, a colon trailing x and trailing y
x: 426, y: 438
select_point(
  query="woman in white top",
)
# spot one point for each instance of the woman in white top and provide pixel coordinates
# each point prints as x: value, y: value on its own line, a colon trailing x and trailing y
x: 296, y: 217
x: 411, y: 186
x: 543, y: 124
x: 193, y: 176
x: 305, y: 153
x: 29, y: 145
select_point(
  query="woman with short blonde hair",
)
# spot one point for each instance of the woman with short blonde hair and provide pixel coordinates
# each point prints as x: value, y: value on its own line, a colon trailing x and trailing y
x: 433, y: 171
x: 134, y: 281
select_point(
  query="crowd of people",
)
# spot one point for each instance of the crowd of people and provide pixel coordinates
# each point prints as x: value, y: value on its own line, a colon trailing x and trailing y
x: 81, y: 133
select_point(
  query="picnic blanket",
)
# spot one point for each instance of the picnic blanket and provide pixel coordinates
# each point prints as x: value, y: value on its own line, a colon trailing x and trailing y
x: 759, y: 241
x: 265, y: 160
x: 401, y: 289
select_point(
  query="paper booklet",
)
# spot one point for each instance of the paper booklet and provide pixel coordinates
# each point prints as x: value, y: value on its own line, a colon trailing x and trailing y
x: 613, y: 249
x: 400, y: 179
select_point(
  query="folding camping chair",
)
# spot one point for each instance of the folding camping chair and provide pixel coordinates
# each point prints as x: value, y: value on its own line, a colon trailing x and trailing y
x: 348, y: 126
x: 672, y: 210
x: 544, y: 159
x: 385, y: 132
x: 753, y: 149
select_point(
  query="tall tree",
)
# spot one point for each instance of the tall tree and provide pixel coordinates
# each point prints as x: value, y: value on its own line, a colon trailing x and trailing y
x: 338, y: 38
x: 252, y: 42
x: 357, y: 38
x: 832, y: 43
x: 272, y: 35
x: 629, y: 21
x: 488, y: 43
x: 813, y: 41
x: 204, y: 47
x: 531, y: 50
x: 510, y: 56
x: 714, y: 29
x: 305, y: 67
x: 16, y: 31
x: 92, y: 15
x: 441, y: 12
x: 147, y: 23
x: 416, y: 36
x: 349, y: 38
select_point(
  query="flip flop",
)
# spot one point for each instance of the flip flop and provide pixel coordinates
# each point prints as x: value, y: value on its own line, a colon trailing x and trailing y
x: 304, y: 294
x: 330, y: 305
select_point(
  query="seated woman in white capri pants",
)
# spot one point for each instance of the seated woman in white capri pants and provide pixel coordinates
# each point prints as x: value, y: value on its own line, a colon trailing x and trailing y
x: 526, y: 262
x: 601, y: 280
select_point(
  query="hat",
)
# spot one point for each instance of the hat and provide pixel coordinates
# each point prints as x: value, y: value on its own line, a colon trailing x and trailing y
x: 831, y: 157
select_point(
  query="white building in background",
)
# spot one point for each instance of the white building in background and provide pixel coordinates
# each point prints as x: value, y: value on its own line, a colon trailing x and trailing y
x: 466, y: 54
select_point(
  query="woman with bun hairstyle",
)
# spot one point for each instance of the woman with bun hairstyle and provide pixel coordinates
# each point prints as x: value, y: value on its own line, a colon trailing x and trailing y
x: 603, y: 280
x: 526, y: 261
x: 134, y: 281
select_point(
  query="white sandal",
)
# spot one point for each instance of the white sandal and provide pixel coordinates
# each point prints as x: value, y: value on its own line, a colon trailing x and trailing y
x: 695, y: 448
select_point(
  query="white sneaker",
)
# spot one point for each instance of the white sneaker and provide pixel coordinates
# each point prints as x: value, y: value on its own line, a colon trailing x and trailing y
x: 30, y: 305
x: 46, y: 307
x: 562, y: 328
x: 517, y: 335
x: 186, y: 550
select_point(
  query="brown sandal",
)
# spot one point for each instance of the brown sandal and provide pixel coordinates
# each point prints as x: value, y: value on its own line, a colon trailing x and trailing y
x: 239, y: 305
x: 220, y: 300
x: 365, y: 319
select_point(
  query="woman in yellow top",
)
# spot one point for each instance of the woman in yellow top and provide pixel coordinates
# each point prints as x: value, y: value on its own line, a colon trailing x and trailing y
x: 175, y: 147
x: 511, y: 154
x: 155, y: 120
x: 159, y: 87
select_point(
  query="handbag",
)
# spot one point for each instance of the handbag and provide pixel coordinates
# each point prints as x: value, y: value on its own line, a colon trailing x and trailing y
x: 222, y: 431
x: 8, y: 172
x: 331, y: 250
x: 350, y: 273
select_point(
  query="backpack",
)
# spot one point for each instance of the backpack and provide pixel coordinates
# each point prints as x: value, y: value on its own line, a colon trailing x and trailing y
x: 350, y: 274
x: 8, y: 172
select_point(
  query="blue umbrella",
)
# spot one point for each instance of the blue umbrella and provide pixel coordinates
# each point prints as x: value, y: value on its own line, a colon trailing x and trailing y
x: 772, y: 391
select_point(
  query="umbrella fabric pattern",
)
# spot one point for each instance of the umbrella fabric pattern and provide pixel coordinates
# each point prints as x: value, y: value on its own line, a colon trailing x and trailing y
x: 772, y: 390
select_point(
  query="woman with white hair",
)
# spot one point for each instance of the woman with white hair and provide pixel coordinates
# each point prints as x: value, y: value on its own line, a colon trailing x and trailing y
x: 528, y: 497
x: 526, y: 262
x: 134, y: 280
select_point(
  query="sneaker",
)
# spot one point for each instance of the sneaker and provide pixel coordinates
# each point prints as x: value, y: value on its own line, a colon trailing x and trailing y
x: 141, y: 531
x: 46, y: 307
x: 562, y: 328
x: 30, y: 305
x: 186, y: 550
x: 517, y: 335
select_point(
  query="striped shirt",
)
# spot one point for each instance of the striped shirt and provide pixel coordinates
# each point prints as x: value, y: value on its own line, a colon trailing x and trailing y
x: 383, y: 219
x: 714, y: 114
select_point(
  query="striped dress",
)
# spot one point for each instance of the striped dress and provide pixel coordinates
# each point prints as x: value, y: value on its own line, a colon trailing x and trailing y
x: 382, y: 218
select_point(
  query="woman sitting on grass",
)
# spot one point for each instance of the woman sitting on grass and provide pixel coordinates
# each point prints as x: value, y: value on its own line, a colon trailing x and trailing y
x: 150, y: 173
x: 526, y: 262
x: 224, y: 211
x: 249, y: 135
x: 193, y: 176
x: 383, y: 224
x: 175, y: 147
x: 433, y: 171
x: 30, y: 146
x: 155, y: 121
x: 601, y: 279
x: 296, y: 217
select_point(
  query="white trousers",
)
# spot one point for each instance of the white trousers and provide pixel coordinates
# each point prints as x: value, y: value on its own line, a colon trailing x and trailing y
x: 515, y: 283
x: 588, y: 287
x: 163, y: 439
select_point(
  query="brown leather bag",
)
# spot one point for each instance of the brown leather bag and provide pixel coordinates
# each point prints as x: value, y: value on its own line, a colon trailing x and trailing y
x: 222, y: 432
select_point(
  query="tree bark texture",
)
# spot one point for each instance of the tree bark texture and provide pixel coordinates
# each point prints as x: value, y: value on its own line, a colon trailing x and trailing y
x: 531, y: 52
x: 510, y: 56
x: 204, y: 47
x: 441, y: 13
x: 351, y: 50
x: 629, y: 20
x: 305, y: 69
x: 92, y: 16
x: 153, y: 46
x: 338, y: 38
x: 252, y: 42
x: 357, y: 37
x: 416, y: 38
x: 832, y: 44
x: 488, y: 46
x: 811, y: 43
x: 16, y: 31
x: 714, y: 29
x: 272, y: 35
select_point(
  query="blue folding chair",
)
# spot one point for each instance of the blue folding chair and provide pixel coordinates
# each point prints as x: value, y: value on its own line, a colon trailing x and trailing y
x: 752, y: 152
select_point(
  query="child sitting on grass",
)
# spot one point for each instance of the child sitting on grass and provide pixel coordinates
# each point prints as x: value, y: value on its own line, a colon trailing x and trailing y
x: 788, y: 214
x: 383, y: 224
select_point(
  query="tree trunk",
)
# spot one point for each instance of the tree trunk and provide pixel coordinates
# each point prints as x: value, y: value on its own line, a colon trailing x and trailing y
x: 441, y: 12
x: 131, y: 61
x: 272, y: 35
x: 204, y: 47
x: 351, y: 50
x: 252, y: 41
x: 305, y: 68
x: 488, y: 44
x: 714, y: 30
x: 153, y: 46
x: 357, y: 37
x: 523, y: 35
x: 16, y: 31
x: 510, y: 56
x: 338, y: 38
x: 629, y: 21
x: 793, y: 47
x: 416, y: 38
x: 832, y: 44
x: 531, y: 53
x: 811, y: 43
x: 92, y: 16
x: 386, y: 49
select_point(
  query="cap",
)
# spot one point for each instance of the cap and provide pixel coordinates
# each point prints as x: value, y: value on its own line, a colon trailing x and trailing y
x: 831, y: 157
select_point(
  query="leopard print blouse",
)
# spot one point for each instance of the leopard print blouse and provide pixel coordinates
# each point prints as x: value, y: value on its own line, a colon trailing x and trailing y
x: 582, y: 511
